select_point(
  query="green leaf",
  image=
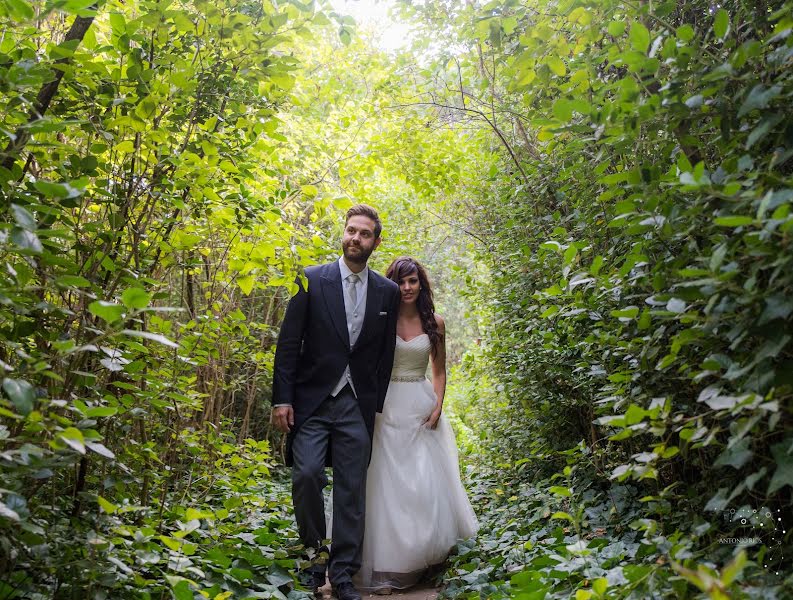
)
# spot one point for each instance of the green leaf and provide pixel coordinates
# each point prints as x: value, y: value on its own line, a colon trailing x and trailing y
x: 694, y: 101
x: 8, y: 513
x: 57, y: 190
x: 600, y: 585
x: 551, y: 245
x: 758, y: 98
x: 108, y: 264
x: 639, y: 37
x: 721, y: 23
x: 246, y: 284
x: 108, y: 311
x: 77, y: 6
x: 718, y: 502
x: 23, y: 218
x: 184, y: 240
x: 563, y: 110
x: 178, y: 545
x: 20, y: 10
x: 279, y: 576
x: 171, y: 543
x: 717, y: 258
x: 626, y: 313
x: 776, y: 307
x: 107, y: 507
x: 155, y: 337
x: 645, y: 320
x: 241, y: 575
x: 118, y: 23
x: 752, y: 479
x: 211, y: 194
x: 635, y: 414
x: 616, y: 28
x: 762, y: 130
x: 685, y: 33
x: 733, y: 569
x: 557, y: 65
x: 560, y: 491
x: 549, y: 312
x: 73, y: 438
x: 26, y: 240
x: 135, y: 297
x: 597, y: 264
x: 21, y: 393
x: 181, y: 590
x: 735, y: 457
x: 562, y: 515
x: 101, y: 411
x: 676, y: 305
x: 715, y: 399
x: 634, y: 573
x: 100, y: 449
x: 570, y: 254
x: 217, y: 556
x: 193, y: 513
x: 733, y: 221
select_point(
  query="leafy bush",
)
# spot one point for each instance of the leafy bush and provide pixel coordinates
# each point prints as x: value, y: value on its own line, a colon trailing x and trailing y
x: 137, y: 218
x: 639, y: 235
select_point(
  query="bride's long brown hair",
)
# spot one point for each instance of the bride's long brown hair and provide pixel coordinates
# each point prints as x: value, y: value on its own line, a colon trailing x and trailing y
x: 404, y: 266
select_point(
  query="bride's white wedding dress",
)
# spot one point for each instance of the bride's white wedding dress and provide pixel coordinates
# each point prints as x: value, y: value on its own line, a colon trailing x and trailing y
x: 416, y: 506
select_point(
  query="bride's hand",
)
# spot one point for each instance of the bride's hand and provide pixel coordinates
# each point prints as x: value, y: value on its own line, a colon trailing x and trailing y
x: 435, y: 415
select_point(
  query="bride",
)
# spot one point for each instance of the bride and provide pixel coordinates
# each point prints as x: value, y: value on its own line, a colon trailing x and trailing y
x: 416, y: 507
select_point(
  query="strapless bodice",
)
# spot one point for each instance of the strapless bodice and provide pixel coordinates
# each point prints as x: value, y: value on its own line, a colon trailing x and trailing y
x: 411, y: 358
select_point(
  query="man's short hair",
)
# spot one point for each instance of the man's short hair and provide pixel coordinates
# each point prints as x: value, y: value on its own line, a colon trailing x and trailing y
x: 365, y: 210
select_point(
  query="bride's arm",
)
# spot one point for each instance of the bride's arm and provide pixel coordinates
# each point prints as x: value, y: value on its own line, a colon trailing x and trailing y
x: 438, y: 374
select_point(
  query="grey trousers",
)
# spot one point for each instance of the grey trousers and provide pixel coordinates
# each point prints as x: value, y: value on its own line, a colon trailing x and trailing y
x: 336, y: 423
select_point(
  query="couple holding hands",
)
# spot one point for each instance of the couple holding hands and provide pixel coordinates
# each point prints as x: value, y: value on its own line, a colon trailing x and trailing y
x: 349, y: 387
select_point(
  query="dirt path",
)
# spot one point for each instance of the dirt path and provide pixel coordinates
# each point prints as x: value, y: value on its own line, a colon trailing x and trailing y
x: 420, y: 592
x: 417, y: 593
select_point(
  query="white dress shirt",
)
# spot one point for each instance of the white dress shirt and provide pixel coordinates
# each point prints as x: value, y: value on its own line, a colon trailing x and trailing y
x: 354, y: 313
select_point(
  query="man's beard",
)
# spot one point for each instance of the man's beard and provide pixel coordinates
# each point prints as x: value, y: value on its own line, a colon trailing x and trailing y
x: 359, y: 258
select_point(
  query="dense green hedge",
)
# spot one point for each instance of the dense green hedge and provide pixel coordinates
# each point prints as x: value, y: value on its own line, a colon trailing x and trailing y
x: 640, y: 232
x: 144, y: 238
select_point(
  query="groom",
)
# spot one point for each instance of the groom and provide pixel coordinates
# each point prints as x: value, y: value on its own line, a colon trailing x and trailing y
x: 332, y: 365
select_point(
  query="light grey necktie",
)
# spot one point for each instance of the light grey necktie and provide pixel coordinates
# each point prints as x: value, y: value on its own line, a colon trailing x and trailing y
x: 353, y: 280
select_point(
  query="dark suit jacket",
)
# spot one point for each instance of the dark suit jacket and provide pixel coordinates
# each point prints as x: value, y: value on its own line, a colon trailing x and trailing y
x: 313, y: 346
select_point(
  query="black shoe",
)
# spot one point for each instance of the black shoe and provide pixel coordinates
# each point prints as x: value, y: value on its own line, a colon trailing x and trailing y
x: 318, y: 583
x: 346, y: 591
x: 313, y: 581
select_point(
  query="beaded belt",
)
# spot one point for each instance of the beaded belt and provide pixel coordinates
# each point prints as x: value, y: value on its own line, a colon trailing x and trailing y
x: 408, y: 378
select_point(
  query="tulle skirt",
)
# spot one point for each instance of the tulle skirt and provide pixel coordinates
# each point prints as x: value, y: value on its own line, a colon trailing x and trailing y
x: 416, y: 506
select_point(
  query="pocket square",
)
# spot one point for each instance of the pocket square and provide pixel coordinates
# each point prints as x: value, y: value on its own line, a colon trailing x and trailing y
x: 382, y: 314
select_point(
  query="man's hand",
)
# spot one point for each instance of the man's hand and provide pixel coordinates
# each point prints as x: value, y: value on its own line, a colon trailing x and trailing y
x: 284, y: 418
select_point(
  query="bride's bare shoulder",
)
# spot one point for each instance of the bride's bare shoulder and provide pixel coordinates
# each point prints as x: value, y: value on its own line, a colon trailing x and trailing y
x: 441, y: 324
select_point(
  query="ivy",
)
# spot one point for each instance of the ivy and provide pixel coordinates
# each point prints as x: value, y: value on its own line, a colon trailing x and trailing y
x: 638, y: 233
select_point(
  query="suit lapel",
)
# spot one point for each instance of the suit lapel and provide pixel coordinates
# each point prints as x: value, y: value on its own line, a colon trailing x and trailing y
x: 334, y: 299
x: 374, y: 294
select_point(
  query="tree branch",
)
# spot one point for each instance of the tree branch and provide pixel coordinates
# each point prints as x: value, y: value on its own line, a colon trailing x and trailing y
x: 46, y: 94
